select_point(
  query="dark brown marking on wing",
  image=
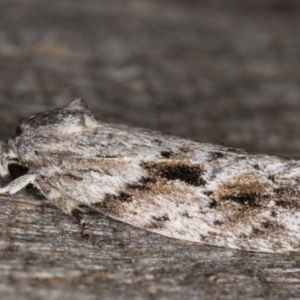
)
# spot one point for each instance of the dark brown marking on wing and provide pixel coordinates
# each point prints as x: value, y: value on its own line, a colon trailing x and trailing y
x: 190, y: 174
x: 246, y: 190
x: 271, y: 178
x: 218, y: 223
x: 266, y: 228
x: 268, y: 224
x: 123, y: 197
x: 186, y: 215
x: 257, y: 232
x: 287, y: 204
x: 156, y: 223
x: 249, y: 199
x: 166, y: 154
x: 208, y: 193
x: 143, y: 184
x: 283, y: 204
x: 113, y: 205
x: 157, y: 142
x: 288, y: 193
x: 216, y: 155
x: 162, y: 218
x: 213, y: 203
x: 184, y: 149
x: 256, y: 167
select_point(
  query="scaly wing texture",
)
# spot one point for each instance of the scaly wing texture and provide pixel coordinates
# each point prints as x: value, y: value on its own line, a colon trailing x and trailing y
x: 175, y: 187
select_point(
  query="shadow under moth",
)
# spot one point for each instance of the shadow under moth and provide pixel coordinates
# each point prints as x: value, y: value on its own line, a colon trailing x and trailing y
x: 171, y: 186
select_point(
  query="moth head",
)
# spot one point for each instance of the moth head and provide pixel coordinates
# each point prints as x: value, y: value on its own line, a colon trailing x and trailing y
x: 69, y: 119
x: 9, y: 163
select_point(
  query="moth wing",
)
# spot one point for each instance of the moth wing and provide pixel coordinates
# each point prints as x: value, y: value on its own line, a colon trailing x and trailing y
x: 174, y: 187
x: 140, y: 195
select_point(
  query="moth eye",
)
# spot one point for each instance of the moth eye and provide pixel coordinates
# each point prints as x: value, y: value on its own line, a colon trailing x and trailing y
x: 16, y: 170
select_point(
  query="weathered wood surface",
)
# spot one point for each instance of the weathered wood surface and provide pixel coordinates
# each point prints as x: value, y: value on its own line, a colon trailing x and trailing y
x: 217, y: 71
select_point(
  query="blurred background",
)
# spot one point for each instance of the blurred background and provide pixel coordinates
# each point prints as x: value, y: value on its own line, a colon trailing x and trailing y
x: 216, y: 71
x: 219, y: 71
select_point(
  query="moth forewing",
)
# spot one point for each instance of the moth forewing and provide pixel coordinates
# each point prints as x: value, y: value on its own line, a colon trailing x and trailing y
x: 175, y: 187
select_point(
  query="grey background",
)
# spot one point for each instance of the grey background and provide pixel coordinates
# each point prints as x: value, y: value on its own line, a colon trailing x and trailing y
x: 216, y: 71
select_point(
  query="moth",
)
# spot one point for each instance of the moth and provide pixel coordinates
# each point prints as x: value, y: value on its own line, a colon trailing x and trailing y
x: 168, y: 185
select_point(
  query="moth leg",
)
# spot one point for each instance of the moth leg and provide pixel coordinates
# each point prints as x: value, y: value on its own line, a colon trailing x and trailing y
x: 55, y: 196
x: 85, y: 228
x: 18, y: 184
